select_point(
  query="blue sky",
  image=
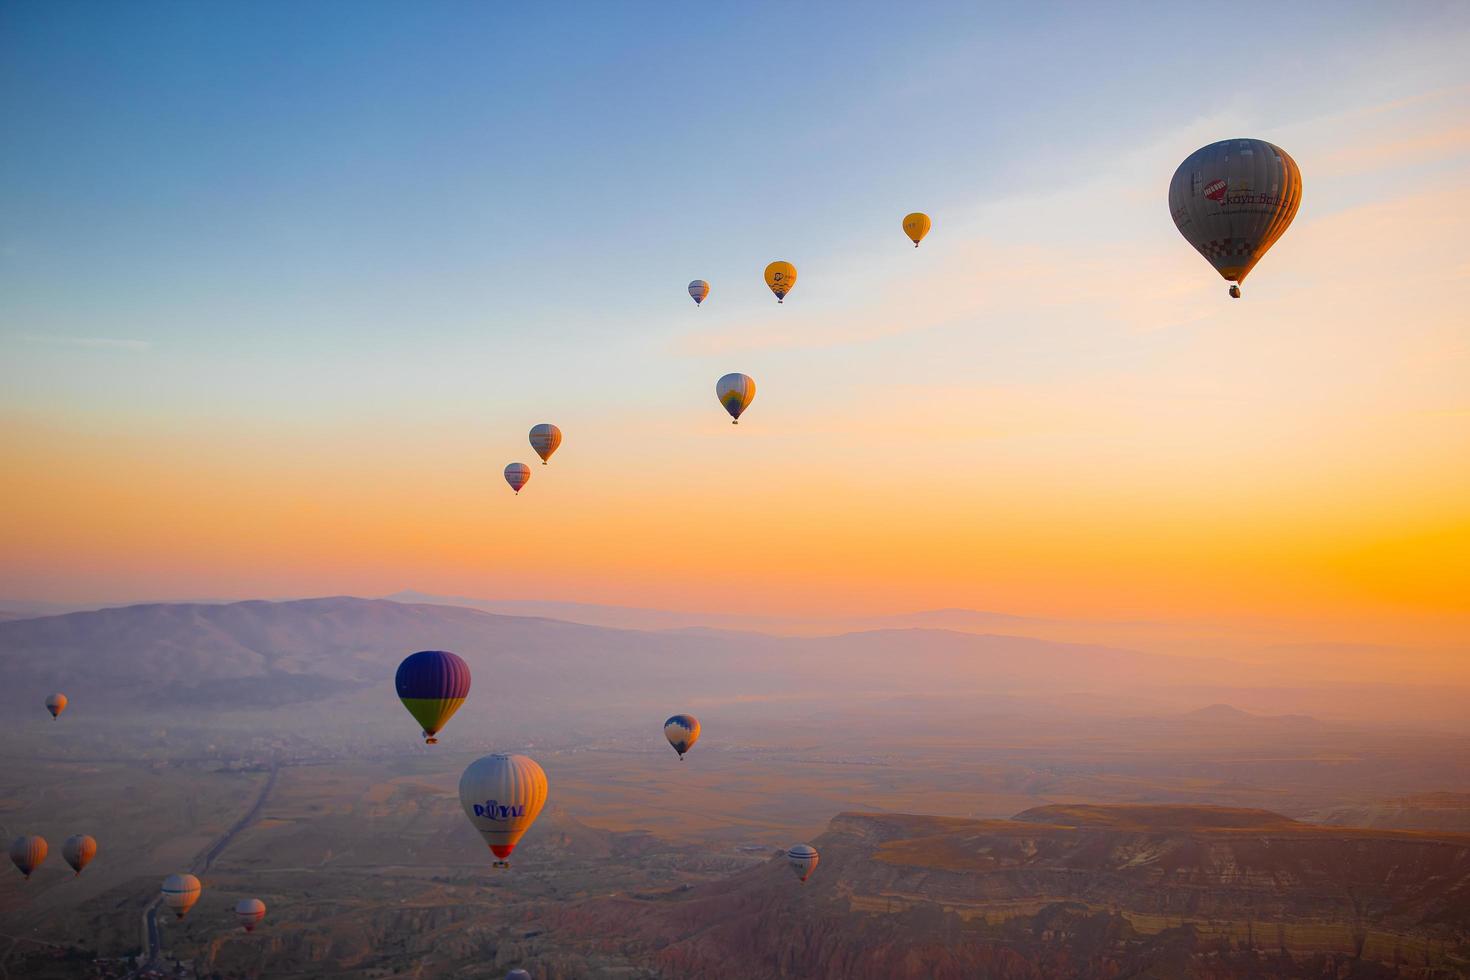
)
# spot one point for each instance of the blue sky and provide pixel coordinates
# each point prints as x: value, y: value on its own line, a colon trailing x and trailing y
x: 287, y: 236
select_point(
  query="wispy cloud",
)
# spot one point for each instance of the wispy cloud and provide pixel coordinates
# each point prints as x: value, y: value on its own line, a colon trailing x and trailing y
x: 94, y: 343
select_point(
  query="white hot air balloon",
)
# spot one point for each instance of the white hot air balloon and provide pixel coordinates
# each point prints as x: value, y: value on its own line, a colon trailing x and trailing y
x: 544, y: 439
x: 803, y: 860
x: 517, y: 475
x: 502, y: 795
x: 735, y: 391
x: 249, y: 912
x: 180, y: 892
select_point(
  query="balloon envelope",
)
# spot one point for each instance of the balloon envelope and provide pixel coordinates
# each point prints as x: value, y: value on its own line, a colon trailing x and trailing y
x: 916, y: 226
x: 27, y: 853
x: 78, y: 850
x: 803, y: 860
x: 502, y: 795
x: 1232, y: 200
x: 682, y: 731
x: 56, y: 704
x: 249, y: 912
x: 517, y: 975
x: 544, y: 439
x: 699, y: 290
x: 517, y: 475
x: 781, y: 276
x: 432, y: 684
x: 735, y: 392
x: 180, y: 892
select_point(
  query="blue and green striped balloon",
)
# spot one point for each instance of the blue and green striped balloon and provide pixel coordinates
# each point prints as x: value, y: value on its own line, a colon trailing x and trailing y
x: 432, y: 684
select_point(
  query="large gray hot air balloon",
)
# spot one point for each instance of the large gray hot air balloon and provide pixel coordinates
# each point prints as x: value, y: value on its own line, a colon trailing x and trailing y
x: 1231, y: 200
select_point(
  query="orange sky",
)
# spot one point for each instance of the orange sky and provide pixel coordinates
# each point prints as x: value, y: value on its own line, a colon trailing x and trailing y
x: 1018, y: 422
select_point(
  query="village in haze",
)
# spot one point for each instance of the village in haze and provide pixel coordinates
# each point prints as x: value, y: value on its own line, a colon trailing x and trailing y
x: 931, y: 492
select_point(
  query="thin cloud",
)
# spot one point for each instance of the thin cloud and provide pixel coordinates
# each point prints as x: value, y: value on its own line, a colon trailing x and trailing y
x: 91, y: 343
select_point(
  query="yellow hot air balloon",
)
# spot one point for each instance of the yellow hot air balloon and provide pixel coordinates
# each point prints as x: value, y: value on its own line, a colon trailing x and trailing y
x: 780, y: 276
x: 56, y: 704
x: 916, y: 226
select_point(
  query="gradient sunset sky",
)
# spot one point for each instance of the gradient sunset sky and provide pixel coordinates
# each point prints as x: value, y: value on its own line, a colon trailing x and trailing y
x: 282, y: 287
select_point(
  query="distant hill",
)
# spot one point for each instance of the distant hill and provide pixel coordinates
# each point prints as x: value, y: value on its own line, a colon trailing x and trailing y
x: 1422, y: 811
x: 257, y: 653
x: 1225, y: 714
x: 1071, y: 891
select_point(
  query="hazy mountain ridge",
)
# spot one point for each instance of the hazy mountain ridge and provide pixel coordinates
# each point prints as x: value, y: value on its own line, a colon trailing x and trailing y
x: 307, y: 648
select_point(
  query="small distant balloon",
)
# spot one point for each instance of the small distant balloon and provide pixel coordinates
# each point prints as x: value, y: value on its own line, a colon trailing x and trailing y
x: 735, y: 392
x: 781, y: 277
x: 249, y: 912
x: 803, y: 860
x: 517, y: 475
x: 27, y: 853
x: 502, y: 795
x: 1232, y: 200
x: 56, y: 704
x: 433, y: 685
x: 699, y: 291
x: 916, y: 226
x: 517, y: 975
x: 78, y: 850
x: 682, y: 731
x: 544, y: 439
x: 180, y: 892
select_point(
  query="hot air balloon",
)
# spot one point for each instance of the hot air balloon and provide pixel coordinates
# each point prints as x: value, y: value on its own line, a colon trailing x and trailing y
x: 682, y: 731
x: 27, y: 853
x: 180, y: 892
x: 517, y: 975
x: 517, y: 475
x: 432, y: 684
x: 544, y: 439
x: 781, y: 276
x: 1231, y: 200
x: 249, y: 912
x: 502, y: 795
x: 803, y: 860
x: 56, y: 704
x: 78, y: 850
x: 916, y: 226
x: 735, y: 392
x: 699, y: 291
